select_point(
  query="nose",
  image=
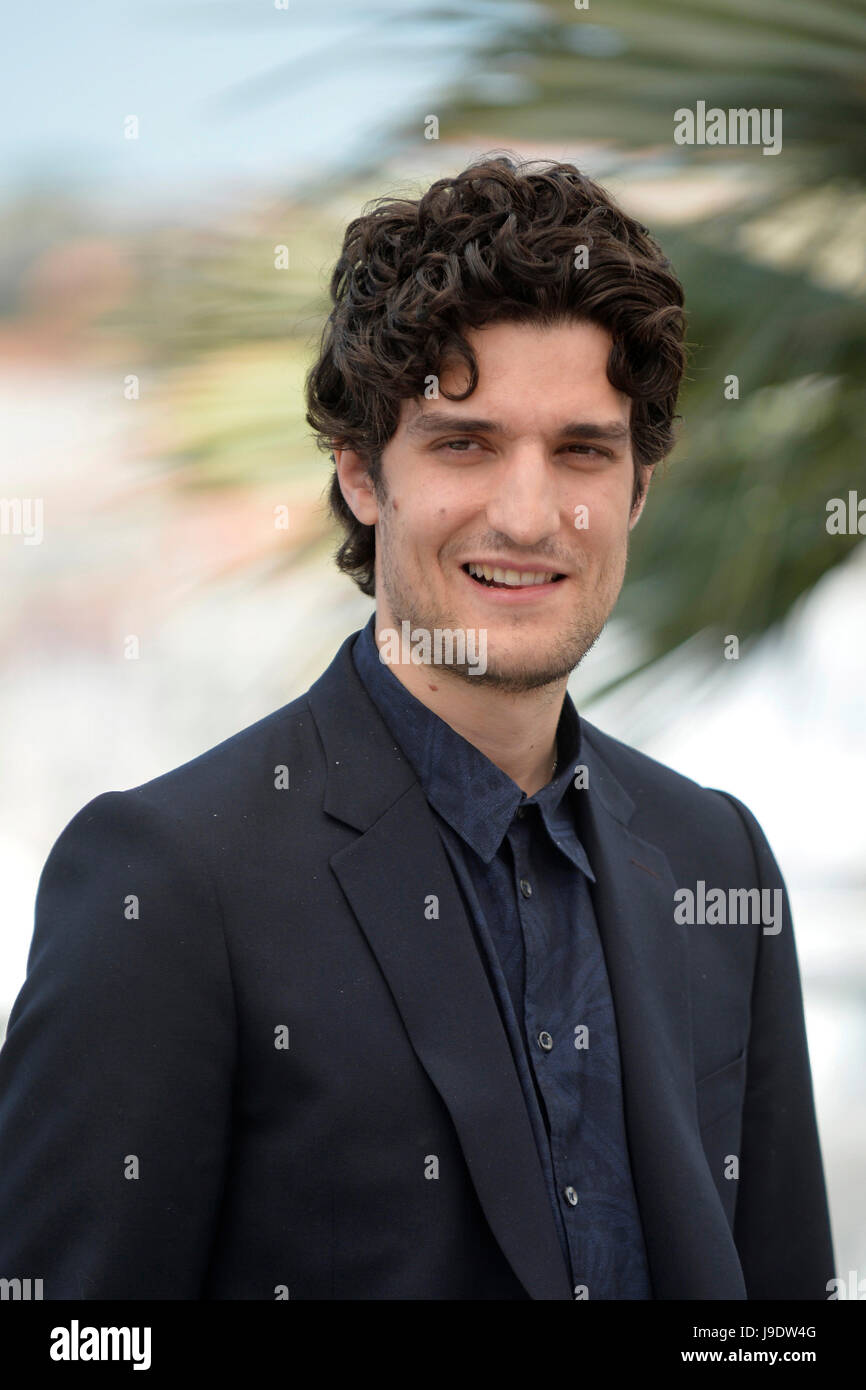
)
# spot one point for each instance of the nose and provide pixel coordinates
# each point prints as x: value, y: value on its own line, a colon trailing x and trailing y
x: 524, y: 502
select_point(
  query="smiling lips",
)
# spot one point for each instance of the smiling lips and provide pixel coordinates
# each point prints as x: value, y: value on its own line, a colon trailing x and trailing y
x: 509, y: 578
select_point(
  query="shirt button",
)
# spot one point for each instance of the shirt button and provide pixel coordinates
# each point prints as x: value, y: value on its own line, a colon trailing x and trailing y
x: 526, y: 888
x: 545, y: 1041
x: 571, y: 1196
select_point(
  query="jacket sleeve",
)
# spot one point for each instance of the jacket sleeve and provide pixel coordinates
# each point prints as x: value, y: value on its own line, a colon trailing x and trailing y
x: 782, y: 1225
x: 116, y: 1073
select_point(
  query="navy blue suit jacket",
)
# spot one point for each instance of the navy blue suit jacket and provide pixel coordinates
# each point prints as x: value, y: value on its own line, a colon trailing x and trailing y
x: 248, y: 1063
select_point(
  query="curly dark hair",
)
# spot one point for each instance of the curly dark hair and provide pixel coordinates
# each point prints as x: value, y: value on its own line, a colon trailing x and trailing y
x: 495, y: 243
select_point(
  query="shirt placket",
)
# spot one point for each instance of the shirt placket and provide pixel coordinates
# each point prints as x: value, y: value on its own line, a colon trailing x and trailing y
x: 545, y: 1026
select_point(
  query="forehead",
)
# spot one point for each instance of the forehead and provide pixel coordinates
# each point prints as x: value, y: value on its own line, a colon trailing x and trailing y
x: 529, y: 378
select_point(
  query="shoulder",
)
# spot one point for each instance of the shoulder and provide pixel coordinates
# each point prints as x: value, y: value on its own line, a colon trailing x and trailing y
x: 234, y: 771
x: 668, y: 804
x: 231, y: 783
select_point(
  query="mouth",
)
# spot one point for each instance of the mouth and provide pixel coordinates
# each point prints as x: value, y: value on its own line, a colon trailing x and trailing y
x: 512, y: 584
x: 492, y: 577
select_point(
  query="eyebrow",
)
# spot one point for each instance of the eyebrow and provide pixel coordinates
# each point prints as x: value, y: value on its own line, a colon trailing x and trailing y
x: 437, y: 421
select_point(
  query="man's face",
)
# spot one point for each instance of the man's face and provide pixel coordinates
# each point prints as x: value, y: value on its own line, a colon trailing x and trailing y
x: 532, y: 472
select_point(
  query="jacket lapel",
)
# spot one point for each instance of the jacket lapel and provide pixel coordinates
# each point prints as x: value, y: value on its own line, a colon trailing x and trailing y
x: 690, y: 1248
x: 391, y: 874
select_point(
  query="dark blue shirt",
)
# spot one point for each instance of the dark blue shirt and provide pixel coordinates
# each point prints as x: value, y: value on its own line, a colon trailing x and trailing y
x: 514, y: 858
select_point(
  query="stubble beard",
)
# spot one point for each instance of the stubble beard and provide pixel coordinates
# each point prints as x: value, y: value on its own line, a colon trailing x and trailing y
x: 509, y: 673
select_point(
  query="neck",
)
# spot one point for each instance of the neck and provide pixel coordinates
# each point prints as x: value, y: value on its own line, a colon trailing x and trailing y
x: 517, y: 732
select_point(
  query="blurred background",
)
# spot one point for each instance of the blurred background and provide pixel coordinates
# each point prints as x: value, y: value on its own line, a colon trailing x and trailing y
x: 155, y: 157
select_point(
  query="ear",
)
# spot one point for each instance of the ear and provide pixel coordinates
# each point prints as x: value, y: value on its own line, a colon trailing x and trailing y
x: 646, y: 474
x: 356, y: 486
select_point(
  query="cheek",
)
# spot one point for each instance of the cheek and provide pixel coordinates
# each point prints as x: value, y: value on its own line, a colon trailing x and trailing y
x: 605, y: 536
x: 419, y: 534
x: 603, y: 507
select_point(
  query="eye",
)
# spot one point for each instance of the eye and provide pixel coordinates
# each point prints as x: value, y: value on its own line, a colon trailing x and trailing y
x: 449, y: 443
x: 590, y: 449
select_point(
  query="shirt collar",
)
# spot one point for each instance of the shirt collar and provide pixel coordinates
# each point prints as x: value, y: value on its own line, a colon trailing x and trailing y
x: 475, y: 797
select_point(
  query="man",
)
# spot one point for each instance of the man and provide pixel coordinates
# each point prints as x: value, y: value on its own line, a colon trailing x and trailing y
x: 397, y: 994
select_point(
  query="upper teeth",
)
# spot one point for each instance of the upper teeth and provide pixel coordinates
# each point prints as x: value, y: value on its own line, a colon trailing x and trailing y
x: 509, y: 576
